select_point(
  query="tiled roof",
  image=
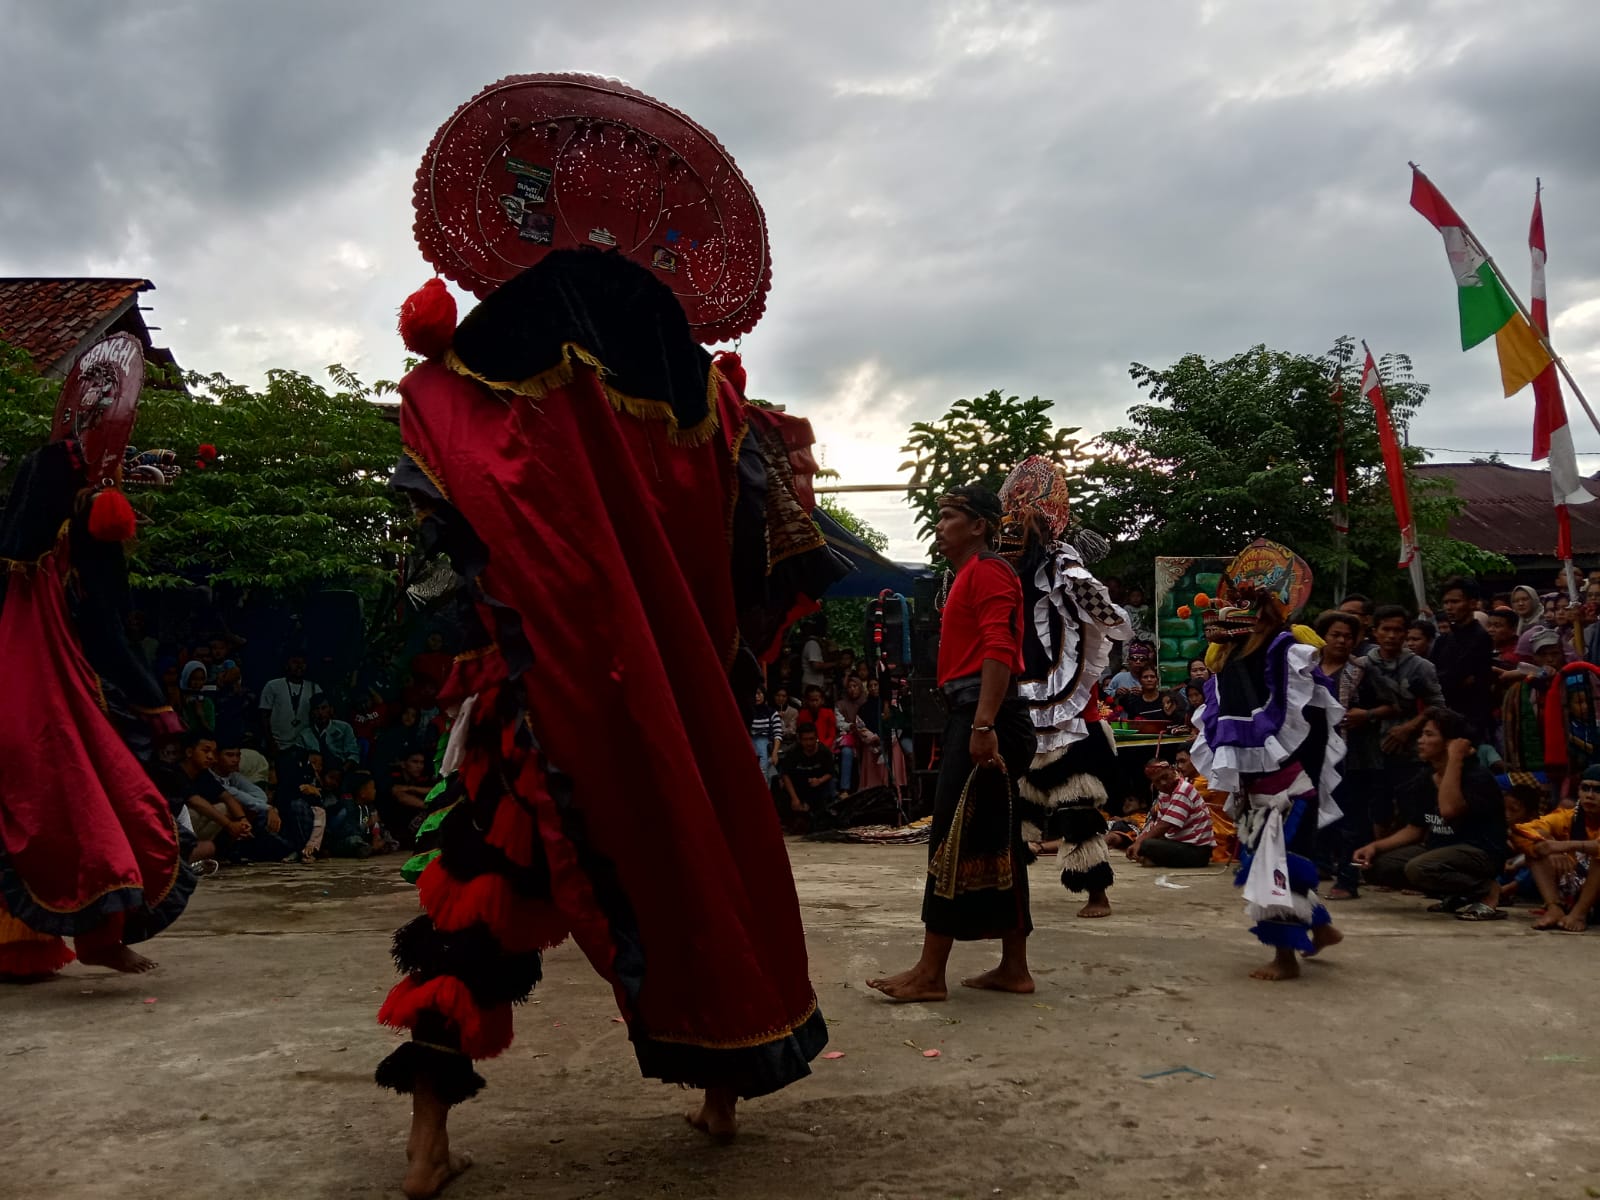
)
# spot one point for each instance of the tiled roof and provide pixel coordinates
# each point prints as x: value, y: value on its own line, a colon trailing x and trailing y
x: 1509, y: 510
x: 50, y: 318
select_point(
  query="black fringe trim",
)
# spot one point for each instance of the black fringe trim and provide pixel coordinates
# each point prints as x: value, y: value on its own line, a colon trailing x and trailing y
x: 1091, y: 755
x: 466, y: 855
x: 1075, y: 823
x: 1096, y: 879
x: 449, y: 1075
x: 471, y: 955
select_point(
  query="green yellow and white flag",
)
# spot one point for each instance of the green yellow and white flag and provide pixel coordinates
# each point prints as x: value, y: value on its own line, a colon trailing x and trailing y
x: 1487, y: 310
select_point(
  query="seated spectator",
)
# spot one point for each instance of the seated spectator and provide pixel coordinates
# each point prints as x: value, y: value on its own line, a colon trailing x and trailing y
x: 404, y: 802
x: 1146, y: 703
x: 1198, y: 672
x: 266, y: 843
x: 821, y: 718
x: 219, y: 818
x: 220, y: 666
x: 1178, y: 833
x: 395, y: 742
x: 788, y: 714
x: 1176, y: 711
x: 1522, y: 801
x: 1452, y: 841
x: 198, y: 711
x: 433, y: 664
x: 337, y: 738
x: 1222, y: 826
x: 349, y: 832
x: 807, y: 772
x: 253, y: 766
x: 362, y: 791
x: 298, y: 798
x: 1125, y: 683
x: 852, y: 731
x: 1561, y: 849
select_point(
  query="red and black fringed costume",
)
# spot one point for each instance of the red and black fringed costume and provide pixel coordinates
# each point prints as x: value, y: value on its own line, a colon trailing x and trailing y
x: 628, y: 541
x: 88, y: 846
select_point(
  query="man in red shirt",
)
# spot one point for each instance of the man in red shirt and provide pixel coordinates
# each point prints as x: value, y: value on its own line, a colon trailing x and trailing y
x: 977, y: 873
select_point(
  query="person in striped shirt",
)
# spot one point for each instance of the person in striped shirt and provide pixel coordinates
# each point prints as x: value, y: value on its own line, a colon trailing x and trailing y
x: 1178, y: 831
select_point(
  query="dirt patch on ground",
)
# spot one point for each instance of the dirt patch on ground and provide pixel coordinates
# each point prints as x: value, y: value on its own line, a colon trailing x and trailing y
x: 1425, y: 1058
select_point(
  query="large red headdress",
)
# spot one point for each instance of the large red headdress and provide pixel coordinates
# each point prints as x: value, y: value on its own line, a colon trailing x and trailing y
x: 536, y: 163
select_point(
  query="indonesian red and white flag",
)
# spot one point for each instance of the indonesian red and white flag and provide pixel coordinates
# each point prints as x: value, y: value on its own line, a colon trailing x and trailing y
x: 1552, y: 436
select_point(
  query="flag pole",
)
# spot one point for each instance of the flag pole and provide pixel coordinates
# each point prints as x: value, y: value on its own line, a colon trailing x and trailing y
x: 1527, y: 316
x: 1419, y: 580
x: 1341, y: 510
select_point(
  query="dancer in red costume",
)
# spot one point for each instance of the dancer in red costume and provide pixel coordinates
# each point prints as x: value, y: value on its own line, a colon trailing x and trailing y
x: 88, y: 847
x: 628, y: 541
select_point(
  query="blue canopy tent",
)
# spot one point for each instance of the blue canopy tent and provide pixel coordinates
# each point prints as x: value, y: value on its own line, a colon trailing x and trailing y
x: 873, y: 572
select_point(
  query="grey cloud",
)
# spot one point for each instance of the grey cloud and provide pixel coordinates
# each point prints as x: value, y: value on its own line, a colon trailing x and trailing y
x: 967, y: 195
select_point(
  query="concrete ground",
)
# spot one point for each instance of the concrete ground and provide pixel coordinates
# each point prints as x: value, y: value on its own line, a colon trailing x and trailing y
x: 1425, y: 1058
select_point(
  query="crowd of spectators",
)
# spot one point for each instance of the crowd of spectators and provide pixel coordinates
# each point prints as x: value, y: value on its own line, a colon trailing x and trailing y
x: 1472, y: 773
x: 296, y: 773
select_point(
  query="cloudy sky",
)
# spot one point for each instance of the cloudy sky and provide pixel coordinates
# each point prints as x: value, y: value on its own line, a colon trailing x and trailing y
x: 961, y: 195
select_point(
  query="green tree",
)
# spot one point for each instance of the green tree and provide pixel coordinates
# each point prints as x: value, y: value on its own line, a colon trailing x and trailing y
x: 296, y: 498
x: 979, y: 440
x: 847, y: 616
x: 869, y: 534
x: 1231, y: 450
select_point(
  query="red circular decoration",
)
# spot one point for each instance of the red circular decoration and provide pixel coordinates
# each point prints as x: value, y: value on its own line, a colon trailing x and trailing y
x: 536, y: 163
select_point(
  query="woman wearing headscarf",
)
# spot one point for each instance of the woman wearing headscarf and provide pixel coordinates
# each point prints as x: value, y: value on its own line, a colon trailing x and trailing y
x: 198, y: 710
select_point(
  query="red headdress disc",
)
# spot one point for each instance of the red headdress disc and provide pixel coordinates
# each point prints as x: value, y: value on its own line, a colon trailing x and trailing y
x: 98, y: 403
x: 536, y: 163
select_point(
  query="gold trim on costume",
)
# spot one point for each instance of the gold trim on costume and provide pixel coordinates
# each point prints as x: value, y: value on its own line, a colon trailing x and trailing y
x: 536, y: 387
x: 422, y: 465
x: 745, y: 1043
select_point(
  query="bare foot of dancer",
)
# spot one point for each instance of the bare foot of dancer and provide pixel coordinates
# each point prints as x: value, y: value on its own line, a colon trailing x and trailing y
x: 429, y: 1164
x: 118, y: 957
x: 915, y: 986
x: 1002, y: 979
x: 716, y: 1115
x: 1099, y: 905
x: 1322, y: 937
x: 1283, y: 966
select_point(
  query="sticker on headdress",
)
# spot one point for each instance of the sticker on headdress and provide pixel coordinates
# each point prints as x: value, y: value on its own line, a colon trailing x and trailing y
x: 602, y: 237
x: 512, y: 207
x: 664, y: 260
x: 537, y: 227
x: 533, y: 181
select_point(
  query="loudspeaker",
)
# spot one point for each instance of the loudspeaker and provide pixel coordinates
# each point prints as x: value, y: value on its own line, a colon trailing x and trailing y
x: 928, y: 713
x: 335, y: 633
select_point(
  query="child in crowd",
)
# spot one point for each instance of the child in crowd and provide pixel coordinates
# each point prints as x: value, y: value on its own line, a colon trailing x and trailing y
x: 1522, y: 808
x: 1561, y: 849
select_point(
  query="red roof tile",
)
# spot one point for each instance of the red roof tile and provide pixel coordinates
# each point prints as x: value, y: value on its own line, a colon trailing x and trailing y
x: 49, y: 318
x: 1509, y: 510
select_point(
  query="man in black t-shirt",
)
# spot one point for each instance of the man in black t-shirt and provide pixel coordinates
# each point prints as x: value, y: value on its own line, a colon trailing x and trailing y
x: 1452, y: 844
x: 807, y: 771
x: 1464, y: 658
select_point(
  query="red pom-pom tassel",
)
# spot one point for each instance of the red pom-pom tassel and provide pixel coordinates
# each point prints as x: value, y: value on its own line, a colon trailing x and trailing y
x: 731, y: 366
x: 428, y: 319
x: 111, y: 517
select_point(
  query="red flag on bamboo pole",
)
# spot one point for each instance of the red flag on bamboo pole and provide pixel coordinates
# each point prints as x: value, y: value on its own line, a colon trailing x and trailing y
x: 1552, y: 436
x: 1395, y: 468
